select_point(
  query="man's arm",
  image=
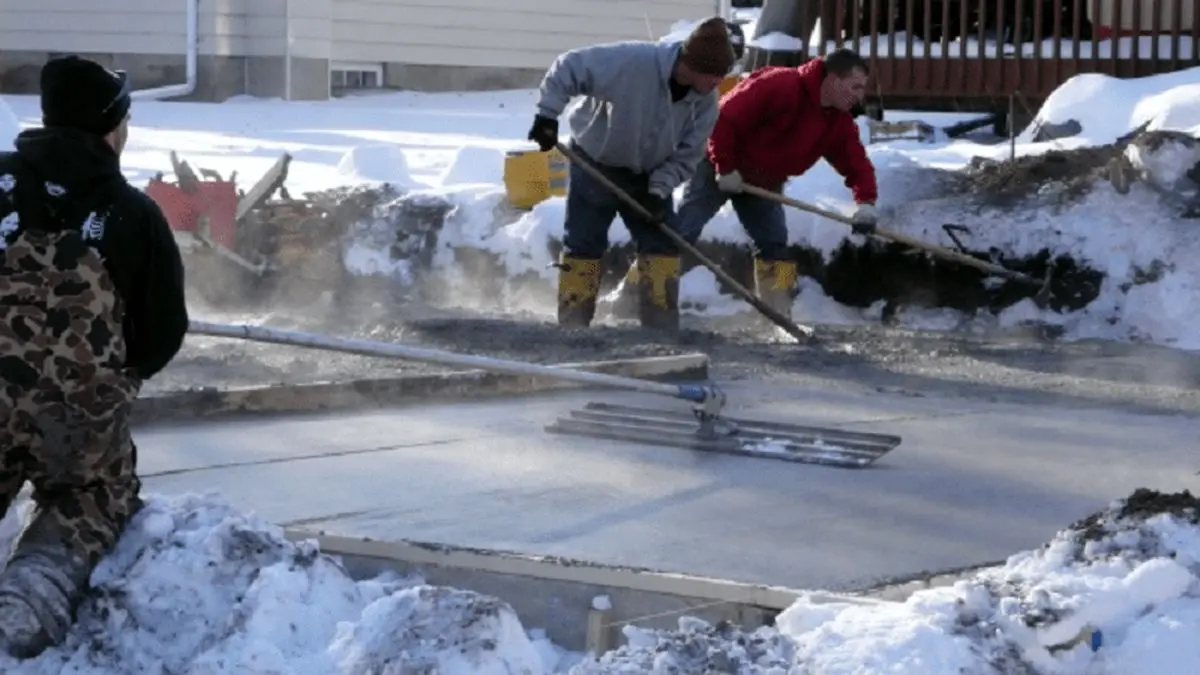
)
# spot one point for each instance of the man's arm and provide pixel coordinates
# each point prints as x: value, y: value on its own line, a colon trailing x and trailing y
x: 680, y: 166
x: 589, y: 71
x: 849, y: 158
x: 159, y: 310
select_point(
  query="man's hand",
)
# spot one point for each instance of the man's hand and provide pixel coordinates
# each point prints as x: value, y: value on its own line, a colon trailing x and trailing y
x: 544, y: 132
x: 864, y: 219
x: 658, y: 206
x: 730, y: 182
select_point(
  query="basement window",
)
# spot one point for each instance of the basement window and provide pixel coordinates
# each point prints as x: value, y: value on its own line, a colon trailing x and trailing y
x: 345, y: 77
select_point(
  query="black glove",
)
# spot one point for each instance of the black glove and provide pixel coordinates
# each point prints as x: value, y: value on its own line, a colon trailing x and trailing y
x: 658, y: 207
x: 544, y: 132
x: 863, y: 228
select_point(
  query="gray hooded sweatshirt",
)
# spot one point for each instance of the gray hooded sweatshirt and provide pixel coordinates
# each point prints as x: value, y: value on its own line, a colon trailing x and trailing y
x: 626, y: 117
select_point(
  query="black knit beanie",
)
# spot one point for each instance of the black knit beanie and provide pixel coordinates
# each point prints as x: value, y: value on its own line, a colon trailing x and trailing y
x: 82, y: 94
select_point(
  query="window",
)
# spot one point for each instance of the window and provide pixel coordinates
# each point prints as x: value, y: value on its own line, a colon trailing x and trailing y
x: 345, y: 77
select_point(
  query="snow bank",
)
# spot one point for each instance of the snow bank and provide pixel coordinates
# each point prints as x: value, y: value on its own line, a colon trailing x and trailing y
x: 1108, y: 108
x: 378, y: 163
x: 1123, y: 580
x: 197, y: 587
x: 10, y: 126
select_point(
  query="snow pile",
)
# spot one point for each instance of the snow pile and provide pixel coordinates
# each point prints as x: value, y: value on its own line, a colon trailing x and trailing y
x: 197, y: 587
x: 1166, y: 160
x: 1108, y: 108
x: 421, y: 630
x: 475, y: 165
x: 10, y: 126
x: 1123, y: 580
x: 778, y: 42
x: 378, y: 163
x: 697, y: 647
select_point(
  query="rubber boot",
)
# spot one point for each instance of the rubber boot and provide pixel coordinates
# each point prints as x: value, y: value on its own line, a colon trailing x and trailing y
x: 39, y: 591
x: 658, y: 291
x: 775, y: 284
x: 622, y: 301
x: 578, y: 286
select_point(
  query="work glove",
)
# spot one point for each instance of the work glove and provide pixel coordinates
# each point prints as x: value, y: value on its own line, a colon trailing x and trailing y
x: 544, y: 132
x: 864, y: 219
x: 658, y: 205
x: 730, y: 182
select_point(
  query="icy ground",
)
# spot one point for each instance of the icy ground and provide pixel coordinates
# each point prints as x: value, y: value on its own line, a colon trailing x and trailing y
x: 196, y: 587
x: 454, y: 144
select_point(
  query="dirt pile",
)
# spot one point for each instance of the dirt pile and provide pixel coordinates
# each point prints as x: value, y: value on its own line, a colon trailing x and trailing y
x: 1131, y: 512
x: 1063, y: 175
x: 1066, y: 175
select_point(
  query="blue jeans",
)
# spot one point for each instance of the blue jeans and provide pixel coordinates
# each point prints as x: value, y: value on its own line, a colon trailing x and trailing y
x: 591, y: 208
x: 763, y: 220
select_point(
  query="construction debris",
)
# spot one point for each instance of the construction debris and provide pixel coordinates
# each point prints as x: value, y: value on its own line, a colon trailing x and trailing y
x: 250, y: 245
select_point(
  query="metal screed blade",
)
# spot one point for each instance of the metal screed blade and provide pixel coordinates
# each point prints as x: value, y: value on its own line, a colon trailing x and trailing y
x: 734, y: 436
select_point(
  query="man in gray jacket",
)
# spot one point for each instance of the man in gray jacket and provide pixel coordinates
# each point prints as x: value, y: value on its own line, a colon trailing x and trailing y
x: 644, y: 119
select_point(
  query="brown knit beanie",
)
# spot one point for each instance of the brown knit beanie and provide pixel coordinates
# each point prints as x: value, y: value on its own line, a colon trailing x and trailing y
x: 708, y: 49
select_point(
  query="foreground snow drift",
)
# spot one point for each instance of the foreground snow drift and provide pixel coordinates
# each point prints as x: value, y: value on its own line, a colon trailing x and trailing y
x: 196, y: 587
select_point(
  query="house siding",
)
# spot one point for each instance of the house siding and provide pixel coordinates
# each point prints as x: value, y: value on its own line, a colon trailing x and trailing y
x: 285, y: 47
x: 482, y: 33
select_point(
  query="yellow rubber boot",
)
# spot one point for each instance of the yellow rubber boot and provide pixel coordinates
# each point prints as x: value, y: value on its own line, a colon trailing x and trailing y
x: 578, y: 286
x: 775, y: 283
x: 658, y: 291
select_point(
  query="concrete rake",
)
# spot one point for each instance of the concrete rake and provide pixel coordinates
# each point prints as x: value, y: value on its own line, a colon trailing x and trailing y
x: 703, y: 428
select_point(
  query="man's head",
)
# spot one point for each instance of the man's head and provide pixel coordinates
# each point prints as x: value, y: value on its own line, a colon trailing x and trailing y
x: 82, y: 94
x: 707, y: 56
x: 845, y: 83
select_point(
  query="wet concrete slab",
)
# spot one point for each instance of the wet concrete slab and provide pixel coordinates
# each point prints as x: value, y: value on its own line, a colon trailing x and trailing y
x: 972, y: 481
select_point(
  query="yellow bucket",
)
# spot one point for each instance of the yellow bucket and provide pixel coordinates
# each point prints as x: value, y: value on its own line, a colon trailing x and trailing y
x: 532, y: 176
x: 727, y: 84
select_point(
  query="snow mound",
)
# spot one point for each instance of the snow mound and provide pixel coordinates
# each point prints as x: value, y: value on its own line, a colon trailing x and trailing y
x: 195, y: 586
x: 475, y: 165
x: 697, y: 647
x: 1108, y: 107
x: 377, y: 163
x: 680, y: 30
x: 421, y: 630
x: 778, y: 42
x: 10, y: 126
x: 1113, y: 593
x: 1166, y: 160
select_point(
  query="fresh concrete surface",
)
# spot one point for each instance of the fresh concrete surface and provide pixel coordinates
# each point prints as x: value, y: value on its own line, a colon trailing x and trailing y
x: 972, y: 482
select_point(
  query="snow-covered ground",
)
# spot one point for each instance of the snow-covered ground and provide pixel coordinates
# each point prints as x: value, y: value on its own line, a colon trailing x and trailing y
x: 196, y: 587
x: 454, y: 144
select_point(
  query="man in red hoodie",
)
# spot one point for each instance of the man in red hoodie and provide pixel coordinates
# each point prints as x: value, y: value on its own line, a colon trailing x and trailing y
x: 775, y: 124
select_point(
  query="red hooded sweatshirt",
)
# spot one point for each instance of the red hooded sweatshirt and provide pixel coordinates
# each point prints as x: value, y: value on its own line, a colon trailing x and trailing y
x: 772, y: 126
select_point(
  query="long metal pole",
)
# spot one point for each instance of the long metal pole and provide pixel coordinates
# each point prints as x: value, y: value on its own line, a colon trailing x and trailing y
x: 687, y: 392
